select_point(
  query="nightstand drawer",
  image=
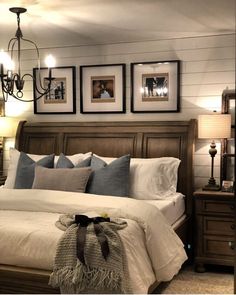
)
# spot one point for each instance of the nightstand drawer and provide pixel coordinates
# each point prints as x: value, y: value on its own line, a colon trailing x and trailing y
x: 218, y: 246
x: 218, y: 226
x: 218, y: 207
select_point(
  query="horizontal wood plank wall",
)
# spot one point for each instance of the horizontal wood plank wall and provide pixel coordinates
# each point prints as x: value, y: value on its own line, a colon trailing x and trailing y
x: 207, y: 68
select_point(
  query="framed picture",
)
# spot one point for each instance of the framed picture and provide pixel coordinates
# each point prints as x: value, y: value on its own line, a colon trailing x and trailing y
x: 155, y: 87
x: 62, y: 97
x: 228, y: 104
x: 102, y: 89
x: 227, y: 186
x: 228, y: 168
x: 228, y: 145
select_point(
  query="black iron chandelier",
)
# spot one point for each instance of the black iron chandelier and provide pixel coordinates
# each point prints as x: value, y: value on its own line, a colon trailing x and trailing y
x: 12, y: 82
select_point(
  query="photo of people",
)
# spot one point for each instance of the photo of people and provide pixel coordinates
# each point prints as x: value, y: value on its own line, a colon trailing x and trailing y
x: 155, y: 87
x: 58, y: 91
x: 103, y: 88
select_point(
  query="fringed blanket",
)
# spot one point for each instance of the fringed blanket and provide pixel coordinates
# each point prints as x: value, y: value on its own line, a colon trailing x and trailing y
x: 94, y: 271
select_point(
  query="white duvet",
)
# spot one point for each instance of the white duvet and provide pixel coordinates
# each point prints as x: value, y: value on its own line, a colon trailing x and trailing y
x: 28, y: 235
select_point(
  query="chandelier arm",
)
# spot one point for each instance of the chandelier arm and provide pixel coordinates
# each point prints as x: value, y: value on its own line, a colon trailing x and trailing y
x: 4, y: 94
x: 45, y: 90
x: 30, y: 100
x: 10, y: 46
x: 38, y: 56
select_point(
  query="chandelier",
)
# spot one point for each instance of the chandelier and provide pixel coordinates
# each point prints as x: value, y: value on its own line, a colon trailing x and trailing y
x: 12, y: 82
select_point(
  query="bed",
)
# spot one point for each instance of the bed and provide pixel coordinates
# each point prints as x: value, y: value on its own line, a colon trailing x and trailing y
x: 106, y: 139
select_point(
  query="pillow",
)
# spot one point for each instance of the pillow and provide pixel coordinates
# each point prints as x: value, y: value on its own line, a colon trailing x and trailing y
x: 61, y: 179
x: 112, y: 179
x: 25, y: 170
x: 11, y: 172
x: 65, y: 162
x: 151, y: 178
x: 74, y: 159
x: 14, y: 157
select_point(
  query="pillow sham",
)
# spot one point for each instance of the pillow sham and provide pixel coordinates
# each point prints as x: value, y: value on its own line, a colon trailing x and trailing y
x: 14, y: 157
x: 65, y: 162
x: 72, y: 159
x: 26, y: 167
x: 112, y: 179
x: 61, y: 179
x: 152, y: 178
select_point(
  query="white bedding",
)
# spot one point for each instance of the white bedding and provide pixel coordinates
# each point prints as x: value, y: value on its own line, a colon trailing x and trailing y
x: 27, y: 218
x: 172, y: 208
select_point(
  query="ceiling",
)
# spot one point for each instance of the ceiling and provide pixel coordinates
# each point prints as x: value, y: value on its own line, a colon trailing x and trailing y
x: 58, y: 23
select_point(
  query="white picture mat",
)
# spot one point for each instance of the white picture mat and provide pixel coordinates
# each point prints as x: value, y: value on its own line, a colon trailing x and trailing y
x: 88, y: 105
x: 139, y: 70
x: 60, y: 107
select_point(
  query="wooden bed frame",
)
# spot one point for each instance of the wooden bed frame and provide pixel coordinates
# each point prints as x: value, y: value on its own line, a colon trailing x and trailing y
x: 111, y: 139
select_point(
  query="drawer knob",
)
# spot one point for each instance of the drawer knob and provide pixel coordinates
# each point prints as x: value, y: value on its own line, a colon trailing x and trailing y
x: 232, y: 226
x: 231, y: 245
x: 232, y: 207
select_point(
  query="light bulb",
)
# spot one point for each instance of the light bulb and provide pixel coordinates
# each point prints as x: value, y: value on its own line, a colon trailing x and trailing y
x: 6, y: 60
x: 50, y: 61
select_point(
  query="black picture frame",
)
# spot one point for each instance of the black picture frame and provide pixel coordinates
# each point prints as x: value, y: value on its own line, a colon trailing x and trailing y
x: 62, y: 101
x: 155, y: 87
x: 102, y: 89
x: 228, y: 104
x: 228, y: 145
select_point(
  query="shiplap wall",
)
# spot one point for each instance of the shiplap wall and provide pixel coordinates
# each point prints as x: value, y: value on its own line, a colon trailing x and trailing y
x: 207, y: 68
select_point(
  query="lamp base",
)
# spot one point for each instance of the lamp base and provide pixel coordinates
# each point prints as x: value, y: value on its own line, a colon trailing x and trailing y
x: 210, y: 187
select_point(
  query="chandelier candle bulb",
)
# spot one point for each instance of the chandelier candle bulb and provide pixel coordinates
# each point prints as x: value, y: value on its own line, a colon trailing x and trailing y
x: 50, y: 61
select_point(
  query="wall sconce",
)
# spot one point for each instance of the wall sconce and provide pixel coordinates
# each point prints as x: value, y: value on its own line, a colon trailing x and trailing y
x: 215, y: 126
x: 7, y: 129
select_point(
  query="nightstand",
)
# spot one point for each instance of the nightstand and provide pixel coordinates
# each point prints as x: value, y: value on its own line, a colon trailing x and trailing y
x: 2, y: 180
x: 214, y: 228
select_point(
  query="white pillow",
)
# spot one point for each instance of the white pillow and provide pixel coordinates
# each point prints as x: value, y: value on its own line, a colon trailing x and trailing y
x: 152, y: 178
x: 14, y: 157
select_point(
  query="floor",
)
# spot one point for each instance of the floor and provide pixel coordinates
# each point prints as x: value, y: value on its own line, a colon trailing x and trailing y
x: 216, y: 280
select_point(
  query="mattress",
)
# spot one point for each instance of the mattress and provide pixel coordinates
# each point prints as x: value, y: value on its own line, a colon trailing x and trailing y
x: 172, y: 208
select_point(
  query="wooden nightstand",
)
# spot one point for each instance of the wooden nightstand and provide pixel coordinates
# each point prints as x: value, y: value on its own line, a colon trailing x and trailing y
x: 2, y: 180
x: 214, y: 228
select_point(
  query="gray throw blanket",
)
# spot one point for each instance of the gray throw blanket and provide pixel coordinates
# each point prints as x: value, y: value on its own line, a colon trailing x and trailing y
x: 96, y: 274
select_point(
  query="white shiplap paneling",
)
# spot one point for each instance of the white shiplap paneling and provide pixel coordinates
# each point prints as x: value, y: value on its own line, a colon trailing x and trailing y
x: 207, y: 68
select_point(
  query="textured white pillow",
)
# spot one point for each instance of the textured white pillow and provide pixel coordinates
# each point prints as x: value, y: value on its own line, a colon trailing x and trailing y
x: 14, y: 157
x: 152, y: 178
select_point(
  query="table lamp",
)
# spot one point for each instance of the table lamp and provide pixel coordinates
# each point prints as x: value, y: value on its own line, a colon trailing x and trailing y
x: 215, y: 126
x: 7, y: 129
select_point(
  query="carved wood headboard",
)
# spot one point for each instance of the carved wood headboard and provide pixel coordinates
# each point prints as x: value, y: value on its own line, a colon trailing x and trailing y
x: 114, y: 139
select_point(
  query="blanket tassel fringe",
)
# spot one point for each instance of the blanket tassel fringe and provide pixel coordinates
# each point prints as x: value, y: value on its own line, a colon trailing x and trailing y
x: 82, y: 277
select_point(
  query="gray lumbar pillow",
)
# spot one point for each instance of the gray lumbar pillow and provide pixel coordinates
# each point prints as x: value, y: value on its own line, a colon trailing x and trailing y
x: 61, y: 179
x: 25, y: 169
x: 112, y: 179
x: 64, y: 162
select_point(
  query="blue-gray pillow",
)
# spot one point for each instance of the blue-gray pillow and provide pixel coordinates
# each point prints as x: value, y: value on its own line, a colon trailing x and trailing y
x: 64, y: 162
x: 97, y: 163
x: 112, y: 179
x: 25, y: 169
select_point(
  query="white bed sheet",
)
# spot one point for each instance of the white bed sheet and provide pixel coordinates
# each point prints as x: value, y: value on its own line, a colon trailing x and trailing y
x: 27, y: 223
x: 172, y: 208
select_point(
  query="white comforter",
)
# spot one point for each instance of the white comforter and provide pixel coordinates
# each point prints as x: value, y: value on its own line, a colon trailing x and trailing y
x: 28, y: 235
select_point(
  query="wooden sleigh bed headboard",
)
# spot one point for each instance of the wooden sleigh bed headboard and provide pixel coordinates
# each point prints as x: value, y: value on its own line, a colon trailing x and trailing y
x: 114, y: 139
